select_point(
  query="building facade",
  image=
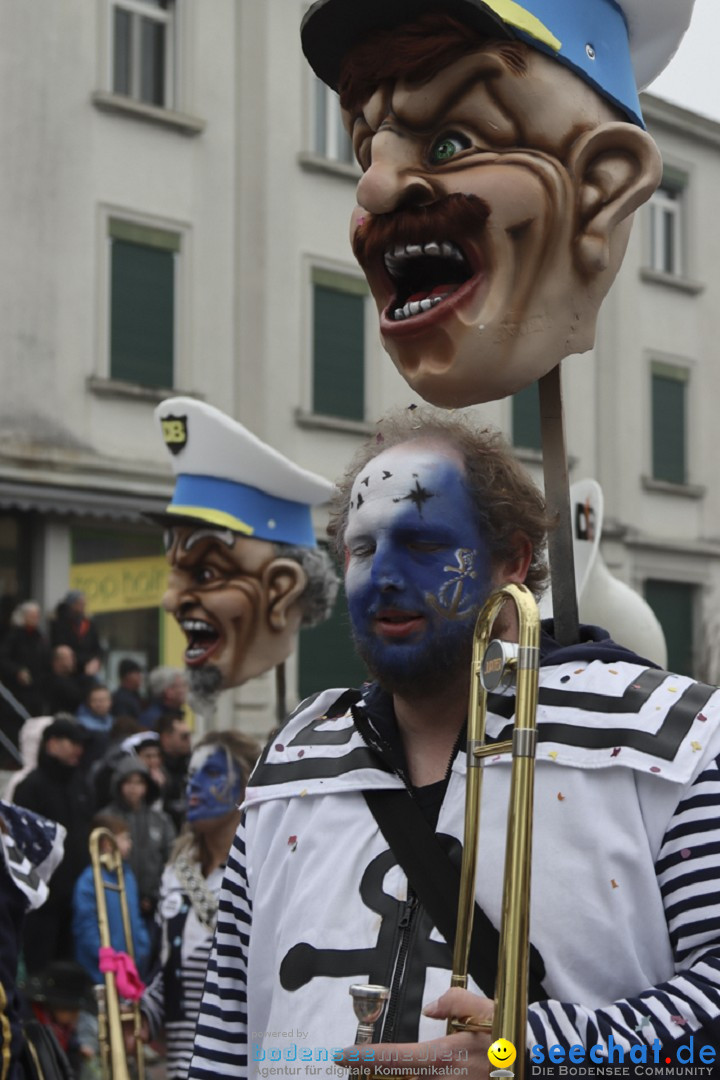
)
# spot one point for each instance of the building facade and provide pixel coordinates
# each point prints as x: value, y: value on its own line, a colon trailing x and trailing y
x: 175, y: 218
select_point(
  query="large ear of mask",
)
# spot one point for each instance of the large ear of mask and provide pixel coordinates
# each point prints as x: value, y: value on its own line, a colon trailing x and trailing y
x: 494, y: 210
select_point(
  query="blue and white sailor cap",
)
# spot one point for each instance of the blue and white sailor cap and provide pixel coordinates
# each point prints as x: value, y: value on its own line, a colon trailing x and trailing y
x: 617, y: 46
x: 227, y: 477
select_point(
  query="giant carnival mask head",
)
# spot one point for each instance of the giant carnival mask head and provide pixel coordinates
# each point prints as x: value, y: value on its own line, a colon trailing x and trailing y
x: 245, y: 571
x: 503, y: 156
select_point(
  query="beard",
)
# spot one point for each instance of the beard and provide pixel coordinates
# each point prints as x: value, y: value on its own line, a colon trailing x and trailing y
x: 420, y: 670
x: 205, y: 686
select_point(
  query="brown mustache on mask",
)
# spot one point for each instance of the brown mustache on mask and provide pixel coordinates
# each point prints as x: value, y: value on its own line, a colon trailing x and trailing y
x: 452, y: 218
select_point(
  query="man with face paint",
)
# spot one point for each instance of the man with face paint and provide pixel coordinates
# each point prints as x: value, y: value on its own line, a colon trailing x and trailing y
x: 503, y: 157
x: 187, y: 910
x: 430, y: 518
x: 245, y: 569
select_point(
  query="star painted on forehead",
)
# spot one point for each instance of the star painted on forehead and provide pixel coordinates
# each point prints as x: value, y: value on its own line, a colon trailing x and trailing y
x: 418, y: 495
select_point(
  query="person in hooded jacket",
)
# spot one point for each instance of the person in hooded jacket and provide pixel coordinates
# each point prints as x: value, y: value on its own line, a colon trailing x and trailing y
x: 55, y: 790
x: 152, y: 832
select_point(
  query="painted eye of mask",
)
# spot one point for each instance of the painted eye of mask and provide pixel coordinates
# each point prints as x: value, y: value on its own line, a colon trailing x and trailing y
x: 447, y: 146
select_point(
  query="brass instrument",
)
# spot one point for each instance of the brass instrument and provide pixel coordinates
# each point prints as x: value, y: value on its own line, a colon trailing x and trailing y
x: 110, y: 1015
x: 369, y: 1002
x: 494, y: 664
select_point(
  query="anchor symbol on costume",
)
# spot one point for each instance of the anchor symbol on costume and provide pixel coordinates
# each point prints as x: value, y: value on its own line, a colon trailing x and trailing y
x: 304, y: 962
x: 448, y: 602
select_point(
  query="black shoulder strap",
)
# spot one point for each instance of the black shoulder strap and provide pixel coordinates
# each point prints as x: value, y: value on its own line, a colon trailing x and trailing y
x: 436, y: 881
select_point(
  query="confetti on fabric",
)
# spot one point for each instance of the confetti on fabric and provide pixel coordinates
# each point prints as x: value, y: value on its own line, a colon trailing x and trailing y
x: 561, y: 797
x: 696, y: 746
x: 616, y: 751
x: 655, y: 768
x: 614, y: 883
x: 702, y: 718
x: 672, y: 689
x: 303, y: 793
x: 553, y: 754
x: 686, y: 853
x: 292, y: 842
x: 279, y: 747
x: 579, y: 671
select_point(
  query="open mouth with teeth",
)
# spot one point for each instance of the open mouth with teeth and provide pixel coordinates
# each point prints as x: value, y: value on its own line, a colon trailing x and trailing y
x: 203, y: 639
x: 424, y: 275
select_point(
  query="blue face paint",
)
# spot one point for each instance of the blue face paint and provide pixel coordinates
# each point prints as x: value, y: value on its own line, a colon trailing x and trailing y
x: 212, y: 790
x: 418, y: 567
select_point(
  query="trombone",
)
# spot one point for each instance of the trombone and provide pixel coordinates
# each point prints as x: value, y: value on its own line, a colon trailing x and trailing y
x: 494, y: 665
x: 110, y: 1015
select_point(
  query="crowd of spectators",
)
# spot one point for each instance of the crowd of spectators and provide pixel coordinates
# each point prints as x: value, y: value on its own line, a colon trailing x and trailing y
x: 115, y: 756
x: 88, y: 748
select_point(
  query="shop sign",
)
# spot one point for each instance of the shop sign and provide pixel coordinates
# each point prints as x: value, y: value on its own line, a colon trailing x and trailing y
x: 121, y: 585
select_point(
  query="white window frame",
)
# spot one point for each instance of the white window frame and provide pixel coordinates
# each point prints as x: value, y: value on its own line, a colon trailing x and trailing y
x: 371, y: 354
x: 182, y: 320
x: 138, y: 9
x: 668, y: 210
x: 686, y: 370
x: 666, y: 215
x: 329, y: 141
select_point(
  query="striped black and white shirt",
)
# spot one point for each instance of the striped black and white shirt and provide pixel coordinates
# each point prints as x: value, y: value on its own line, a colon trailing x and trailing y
x: 625, y: 912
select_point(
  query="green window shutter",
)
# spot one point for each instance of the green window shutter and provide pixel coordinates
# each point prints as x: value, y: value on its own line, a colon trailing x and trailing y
x: 669, y: 424
x: 673, y: 602
x: 338, y: 346
x: 526, y: 418
x: 142, y: 306
x: 326, y: 656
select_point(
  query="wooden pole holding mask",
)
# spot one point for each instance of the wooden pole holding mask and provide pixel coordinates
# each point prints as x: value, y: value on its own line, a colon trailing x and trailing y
x: 557, y: 497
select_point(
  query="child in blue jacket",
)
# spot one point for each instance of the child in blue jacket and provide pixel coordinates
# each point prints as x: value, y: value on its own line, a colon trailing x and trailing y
x: 86, y: 930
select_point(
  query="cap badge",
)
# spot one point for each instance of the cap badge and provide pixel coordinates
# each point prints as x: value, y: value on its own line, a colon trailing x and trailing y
x: 175, y: 432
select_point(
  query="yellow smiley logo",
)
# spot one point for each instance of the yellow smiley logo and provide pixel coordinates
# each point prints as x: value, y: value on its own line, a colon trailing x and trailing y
x: 502, y: 1053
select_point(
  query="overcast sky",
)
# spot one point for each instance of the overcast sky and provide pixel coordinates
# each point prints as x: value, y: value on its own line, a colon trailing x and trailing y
x: 693, y: 76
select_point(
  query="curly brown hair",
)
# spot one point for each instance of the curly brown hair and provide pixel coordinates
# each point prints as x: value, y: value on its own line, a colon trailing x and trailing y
x: 508, y: 505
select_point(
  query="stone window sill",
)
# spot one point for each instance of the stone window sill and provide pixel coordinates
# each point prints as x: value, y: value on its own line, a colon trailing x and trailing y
x: 673, y: 281
x: 664, y: 487
x: 118, y: 388
x: 317, y: 163
x: 152, y: 114
x: 315, y: 422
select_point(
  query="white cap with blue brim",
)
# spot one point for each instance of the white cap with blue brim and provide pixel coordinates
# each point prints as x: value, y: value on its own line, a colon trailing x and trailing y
x: 227, y: 477
x: 617, y: 46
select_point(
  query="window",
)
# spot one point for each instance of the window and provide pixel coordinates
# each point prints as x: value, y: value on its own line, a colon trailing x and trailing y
x: 674, y: 604
x: 666, y: 225
x: 669, y: 423
x: 143, y: 46
x: 142, y: 303
x: 526, y: 418
x: 331, y: 140
x: 338, y: 345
